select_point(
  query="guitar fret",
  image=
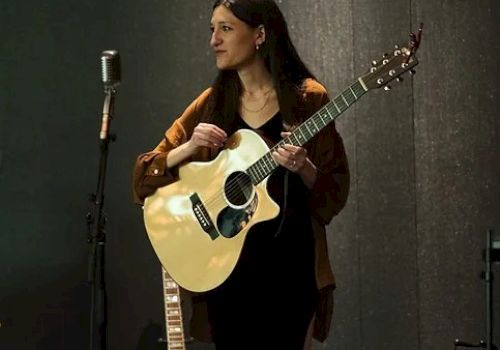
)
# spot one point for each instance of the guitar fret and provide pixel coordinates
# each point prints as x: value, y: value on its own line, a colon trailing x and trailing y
x: 262, y: 172
x: 342, y: 95
x: 301, y: 134
x: 351, y: 98
x: 269, y: 161
x: 337, y: 107
x: 272, y: 162
x: 315, y: 126
x: 174, y: 324
x: 316, y: 120
x: 172, y: 298
x: 319, y: 118
x: 322, y: 120
x: 253, y: 175
x: 264, y: 164
x: 258, y: 170
x: 170, y: 284
x: 352, y: 91
x: 308, y: 130
x: 337, y: 100
x: 329, y: 110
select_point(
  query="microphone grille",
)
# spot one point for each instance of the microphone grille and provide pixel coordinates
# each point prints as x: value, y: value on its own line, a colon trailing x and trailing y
x: 110, y: 65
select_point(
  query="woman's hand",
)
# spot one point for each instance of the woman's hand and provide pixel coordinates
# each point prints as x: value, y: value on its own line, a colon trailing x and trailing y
x: 207, y: 135
x: 295, y: 159
x: 204, y: 135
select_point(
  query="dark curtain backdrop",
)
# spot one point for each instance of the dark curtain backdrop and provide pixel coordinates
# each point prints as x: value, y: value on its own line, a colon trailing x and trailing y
x: 424, y: 158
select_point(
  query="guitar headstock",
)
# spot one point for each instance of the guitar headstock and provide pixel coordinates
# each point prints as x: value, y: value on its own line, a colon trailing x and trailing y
x: 392, y: 66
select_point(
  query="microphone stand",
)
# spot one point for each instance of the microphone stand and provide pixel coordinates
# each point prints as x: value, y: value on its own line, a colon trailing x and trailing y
x: 491, y: 254
x: 96, y: 222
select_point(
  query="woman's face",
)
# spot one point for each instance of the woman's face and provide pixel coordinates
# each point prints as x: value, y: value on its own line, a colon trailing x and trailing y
x: 233, y: 40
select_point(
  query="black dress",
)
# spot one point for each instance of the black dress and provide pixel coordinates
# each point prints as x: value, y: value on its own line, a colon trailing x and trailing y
x: 268, y: 300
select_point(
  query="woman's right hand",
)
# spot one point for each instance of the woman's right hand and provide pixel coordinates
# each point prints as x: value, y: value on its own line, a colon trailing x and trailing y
x: 204, y: 135
x: 207, y: 135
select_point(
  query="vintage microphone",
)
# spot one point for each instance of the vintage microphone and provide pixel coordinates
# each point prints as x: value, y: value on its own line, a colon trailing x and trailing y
x: 96, y: 220
x: 111, y: 78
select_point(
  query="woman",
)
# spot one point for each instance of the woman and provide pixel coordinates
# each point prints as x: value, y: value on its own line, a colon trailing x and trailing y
x: 282, y: 283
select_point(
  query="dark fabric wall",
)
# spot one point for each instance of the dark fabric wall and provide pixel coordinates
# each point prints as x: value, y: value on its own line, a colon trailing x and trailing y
x: 424, y: 160
x: 50, y: 98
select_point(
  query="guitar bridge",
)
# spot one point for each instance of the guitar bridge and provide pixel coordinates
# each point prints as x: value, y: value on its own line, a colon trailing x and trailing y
x: 202, y: 216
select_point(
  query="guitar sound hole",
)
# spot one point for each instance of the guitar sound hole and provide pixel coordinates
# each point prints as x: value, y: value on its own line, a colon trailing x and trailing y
x: 238, y: 189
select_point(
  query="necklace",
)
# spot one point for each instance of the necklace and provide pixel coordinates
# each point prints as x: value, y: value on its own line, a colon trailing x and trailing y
x: 266, y: 94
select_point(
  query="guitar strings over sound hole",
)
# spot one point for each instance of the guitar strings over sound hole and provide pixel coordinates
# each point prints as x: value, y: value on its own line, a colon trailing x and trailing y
x: 238, y: 189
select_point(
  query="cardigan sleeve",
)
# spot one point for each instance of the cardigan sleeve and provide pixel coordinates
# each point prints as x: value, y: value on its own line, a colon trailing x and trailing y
x: 150, y: 168
x: 330, y: 190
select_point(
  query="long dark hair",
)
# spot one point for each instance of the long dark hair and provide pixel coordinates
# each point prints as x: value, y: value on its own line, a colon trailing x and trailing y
x: 280, y: 58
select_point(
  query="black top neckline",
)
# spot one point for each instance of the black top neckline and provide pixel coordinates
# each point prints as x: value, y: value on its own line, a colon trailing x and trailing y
x: 274, y: 117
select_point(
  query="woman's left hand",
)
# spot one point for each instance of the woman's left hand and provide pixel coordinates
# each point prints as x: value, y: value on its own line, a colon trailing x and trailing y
x: 294, y: 158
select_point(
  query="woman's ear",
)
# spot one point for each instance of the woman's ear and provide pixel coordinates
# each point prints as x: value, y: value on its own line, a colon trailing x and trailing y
x: 261, y: 35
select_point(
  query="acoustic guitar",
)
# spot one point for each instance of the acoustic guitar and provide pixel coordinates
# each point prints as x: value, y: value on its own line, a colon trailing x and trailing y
x: 198, y: 224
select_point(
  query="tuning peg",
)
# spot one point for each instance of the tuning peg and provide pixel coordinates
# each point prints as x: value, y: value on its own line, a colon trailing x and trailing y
x: 374, y: 63
x: 412, y: 71
x: 396, y: 47
x: 399, y: 79
x: 387, y: 88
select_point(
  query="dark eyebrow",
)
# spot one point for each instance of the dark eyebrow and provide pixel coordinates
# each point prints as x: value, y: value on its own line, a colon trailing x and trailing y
x: 222, y: 23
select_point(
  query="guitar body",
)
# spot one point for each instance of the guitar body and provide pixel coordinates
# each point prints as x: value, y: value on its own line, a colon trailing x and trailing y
x: 198, y: 225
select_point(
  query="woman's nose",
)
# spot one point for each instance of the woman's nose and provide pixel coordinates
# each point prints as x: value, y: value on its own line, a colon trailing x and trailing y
x: 215, y: 39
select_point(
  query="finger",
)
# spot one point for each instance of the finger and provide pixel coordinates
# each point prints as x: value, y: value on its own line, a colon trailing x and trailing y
x: 284, y: 153
x: 214, y: 130
x: 280, y: 159
x: 283, y: 158
x: 285, y: 134
x: 288, y: 127
x: 204, y: 139
x: 295, y: 150
x: 210, y: 136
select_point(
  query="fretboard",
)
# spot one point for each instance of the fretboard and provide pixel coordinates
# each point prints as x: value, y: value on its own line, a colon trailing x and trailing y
x: 173, y: 313
x: 259, y: 170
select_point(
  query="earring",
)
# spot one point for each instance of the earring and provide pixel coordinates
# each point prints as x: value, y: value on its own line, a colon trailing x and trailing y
x: 257, y: 47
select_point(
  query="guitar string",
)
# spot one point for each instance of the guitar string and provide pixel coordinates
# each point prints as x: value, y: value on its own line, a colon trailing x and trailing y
x: 234, y: 185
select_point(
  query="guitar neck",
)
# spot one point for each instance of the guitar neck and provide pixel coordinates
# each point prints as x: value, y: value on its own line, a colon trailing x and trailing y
x: 173, y: 313
x: 259, y: 170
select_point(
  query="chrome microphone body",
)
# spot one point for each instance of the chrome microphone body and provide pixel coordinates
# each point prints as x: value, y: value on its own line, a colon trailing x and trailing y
x: 111, y: 78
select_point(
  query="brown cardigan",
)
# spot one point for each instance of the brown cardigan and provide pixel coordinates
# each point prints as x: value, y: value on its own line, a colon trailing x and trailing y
x: 328, y: 195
